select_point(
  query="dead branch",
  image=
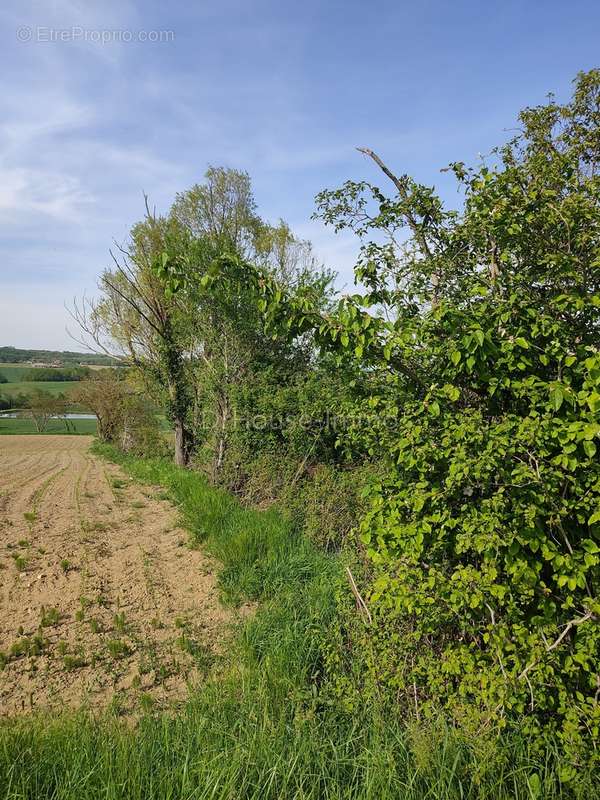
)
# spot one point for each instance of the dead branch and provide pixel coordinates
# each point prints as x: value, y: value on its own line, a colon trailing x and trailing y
x: 360, y: 603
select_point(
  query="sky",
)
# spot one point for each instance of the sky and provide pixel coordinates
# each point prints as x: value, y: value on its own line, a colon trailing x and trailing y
x: 101, y: 102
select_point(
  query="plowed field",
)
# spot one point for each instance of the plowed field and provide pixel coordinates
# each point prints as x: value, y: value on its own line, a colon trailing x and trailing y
x: 101, y: 599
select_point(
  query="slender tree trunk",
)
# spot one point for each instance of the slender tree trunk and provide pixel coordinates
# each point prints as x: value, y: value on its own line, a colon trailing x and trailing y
x: 182, y: 455
x: 223, y: 411
x: 180, y: 399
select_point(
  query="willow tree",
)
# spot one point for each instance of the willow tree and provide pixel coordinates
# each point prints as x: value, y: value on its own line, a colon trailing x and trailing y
x: 192, y: 348
x: 138, y: 319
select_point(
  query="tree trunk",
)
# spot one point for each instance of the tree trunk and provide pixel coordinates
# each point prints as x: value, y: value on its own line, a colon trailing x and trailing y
x: 221, y: 444
x: 182, y: 454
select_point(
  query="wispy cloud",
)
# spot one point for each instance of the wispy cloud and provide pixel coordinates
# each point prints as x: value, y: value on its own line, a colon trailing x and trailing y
x: 284, y: 91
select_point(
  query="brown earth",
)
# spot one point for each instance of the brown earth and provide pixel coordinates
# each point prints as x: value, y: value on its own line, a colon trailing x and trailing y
x: 101, y: 600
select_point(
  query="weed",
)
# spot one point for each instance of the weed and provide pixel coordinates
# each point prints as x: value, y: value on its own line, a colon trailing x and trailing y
x: 50, y: 617
x: 65, y: 565
x: 20, y: 562
x: 89, y: 527
x: 201, y: 654
x: 147, y: 702
x: 116, y: 705
x: 117, y: 648
x: 30, y: 516
x: 95, y: 626
x: 72, y: 662
x: 28, y: 646
x: 119, y: 622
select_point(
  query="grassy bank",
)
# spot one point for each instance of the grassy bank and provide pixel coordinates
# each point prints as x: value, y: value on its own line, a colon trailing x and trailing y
x: 263, y: 727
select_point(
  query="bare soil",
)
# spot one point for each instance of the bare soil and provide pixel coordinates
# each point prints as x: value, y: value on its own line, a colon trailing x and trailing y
x: 101, y: 599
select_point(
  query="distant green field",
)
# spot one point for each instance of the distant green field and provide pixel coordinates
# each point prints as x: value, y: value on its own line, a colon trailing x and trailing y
x: 27, y: 426
x: 29, y: 387
x: 13, y: 372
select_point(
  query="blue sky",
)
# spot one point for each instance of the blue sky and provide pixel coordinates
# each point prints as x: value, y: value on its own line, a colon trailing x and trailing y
x: 284, y: 90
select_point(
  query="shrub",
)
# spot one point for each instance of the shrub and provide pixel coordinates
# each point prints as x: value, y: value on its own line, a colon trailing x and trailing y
x: 483, y: 532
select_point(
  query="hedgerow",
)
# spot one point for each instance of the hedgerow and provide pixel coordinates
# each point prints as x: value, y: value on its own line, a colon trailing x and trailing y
x: 473, y: 367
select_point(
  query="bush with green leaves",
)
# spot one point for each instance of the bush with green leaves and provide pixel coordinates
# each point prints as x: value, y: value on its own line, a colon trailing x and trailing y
x: 473, y: 354
x: 484, y: 532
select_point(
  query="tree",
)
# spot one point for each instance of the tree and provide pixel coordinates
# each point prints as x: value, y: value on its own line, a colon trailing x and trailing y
x: 192, y: 347
x: 137, y: 319
x: 43, y: 407
x: 474, y: 349
x: 103, y: 395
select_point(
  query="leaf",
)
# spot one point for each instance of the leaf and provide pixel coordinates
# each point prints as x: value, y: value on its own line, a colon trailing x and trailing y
x: 593, y: 401
x: 590, y: 448
x: 455, y: 356
x: 594, y: 518
x: 557, y: 397
x: 344, y: 339
x: 434, y: 409
x: 453, y: 393
x: 535, y: 785
x: 522, y: 342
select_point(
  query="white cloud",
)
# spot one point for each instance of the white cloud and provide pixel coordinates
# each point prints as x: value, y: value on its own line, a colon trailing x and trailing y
x: 24, y: 191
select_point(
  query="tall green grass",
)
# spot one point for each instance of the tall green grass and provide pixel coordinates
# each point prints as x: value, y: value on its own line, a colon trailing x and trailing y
x: 263, y: 728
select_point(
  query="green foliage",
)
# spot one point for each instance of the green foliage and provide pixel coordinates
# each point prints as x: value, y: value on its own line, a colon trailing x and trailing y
x: 263, y: 728
x: 473, y: 358
x: 327, y: 504
x: 54, y: 375
x: 124, y: 415
x: 483, y: 533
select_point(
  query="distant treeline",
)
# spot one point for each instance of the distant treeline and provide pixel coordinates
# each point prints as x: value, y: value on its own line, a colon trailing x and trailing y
x: 15, y: 355
x: 14, y: 401
x: 56, y: 374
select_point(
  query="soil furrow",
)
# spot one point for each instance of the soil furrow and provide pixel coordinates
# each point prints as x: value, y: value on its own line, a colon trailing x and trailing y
x: 101, y: 601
